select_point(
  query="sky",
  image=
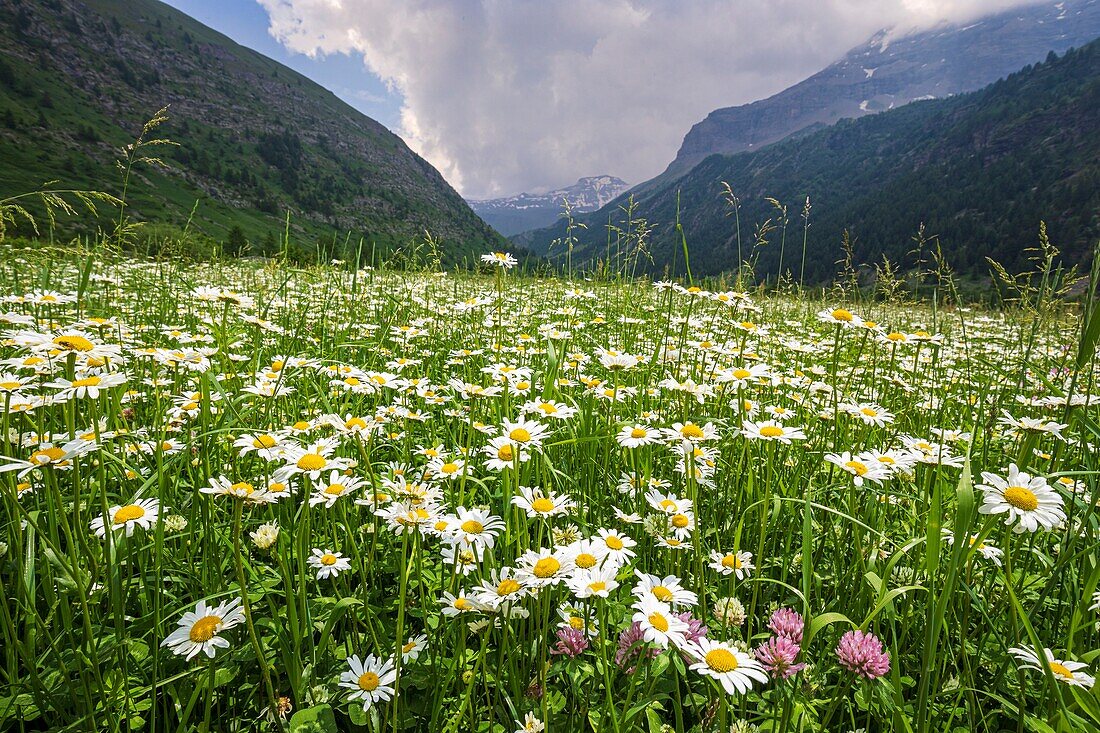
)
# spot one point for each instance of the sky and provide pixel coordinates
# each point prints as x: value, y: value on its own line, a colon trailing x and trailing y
x: 505, y: 96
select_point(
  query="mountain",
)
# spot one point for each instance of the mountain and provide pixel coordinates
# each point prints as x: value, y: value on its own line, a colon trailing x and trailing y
x: 515, y: 214
x: 980, y: 170
x: 78, y: 78
x: 893, y: 69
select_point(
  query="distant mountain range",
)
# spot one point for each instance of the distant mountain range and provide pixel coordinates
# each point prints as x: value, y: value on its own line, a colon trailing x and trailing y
x: 514, y: 214
x: 979, y: 170
x: 79, y: 77
x: 892, y: 69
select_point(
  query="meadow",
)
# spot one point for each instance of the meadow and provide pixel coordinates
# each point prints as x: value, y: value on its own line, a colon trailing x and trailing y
x: 248, y: 495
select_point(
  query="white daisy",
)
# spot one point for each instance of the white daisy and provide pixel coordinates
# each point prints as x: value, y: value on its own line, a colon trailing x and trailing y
x: 371, y: 679
x: 141, y: 513
x: 327, y: 563
x: 734, y: 669
x: 659, y: 624
x: 198, y: 630
x: 1063, y: 670
x: 1026, y: 500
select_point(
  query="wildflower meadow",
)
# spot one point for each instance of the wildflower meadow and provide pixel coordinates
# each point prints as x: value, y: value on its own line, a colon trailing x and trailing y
x: 249, y: 495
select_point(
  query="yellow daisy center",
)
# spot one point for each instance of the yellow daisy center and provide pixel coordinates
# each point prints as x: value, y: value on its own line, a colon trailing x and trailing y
x: 328, y: 559
x: 335, y: 489
x: 546, y: 567
x: 721, y: 660
x: 449, y: 468
x: 263, y: 441
x: 732, y: 562
x: 548, y: 408
x: 542, y: 505
x: 659, y: 622
x: 842, y: 315
x: 204, y: 629
x: 585, y: 560
x: 128, y: 513
x: 691, y: 430
x: 1021, y: 498
x: 74, y: 343
x: 242, y: 487
x: 771, y: 431
x: 856, y: 467
x: 1061, y: 670
x: 368, y: 682
x: 638, y: 433
x: 48, y: 454
x: 741, y: 373
x: 597, y: 586
x: 662, y: 594
x: 507, y: 587
x: 505, y: 453
x: 519, y: 435
x: 312, y: 462
x: 680, y: 521
x: 86, y: 382
x: 472, y: 526
x: 613, y: 542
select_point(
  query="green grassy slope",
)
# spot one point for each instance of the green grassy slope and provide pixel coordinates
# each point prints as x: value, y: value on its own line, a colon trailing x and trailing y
x: 78, y: 79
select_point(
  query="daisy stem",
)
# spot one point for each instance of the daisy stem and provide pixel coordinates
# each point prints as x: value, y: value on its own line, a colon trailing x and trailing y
x: 238, y: 509
x: 209, y: 698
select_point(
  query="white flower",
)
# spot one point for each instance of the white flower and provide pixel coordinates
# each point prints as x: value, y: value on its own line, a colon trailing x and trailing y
x: 503, y: 260
x: 633, y: 436
x: 411, y: 649
x: 142, y: 513
x: 1063, y: 670
x: 666, y: 590
x: 862, y: 468
x: 327, y: 563
x: 659, y: 624
x: 1028, y: 501
x: 198, y: 630
x: 88, y: 386
x: 371, y: 680
x: 733, y: 563
x: 771, y: 430
x: 597, y: 582
x: 530, y: 724
x: 265, y: 535
x: 734, y: 669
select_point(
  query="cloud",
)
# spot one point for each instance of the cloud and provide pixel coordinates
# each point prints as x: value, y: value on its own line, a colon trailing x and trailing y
x: 504, y: 96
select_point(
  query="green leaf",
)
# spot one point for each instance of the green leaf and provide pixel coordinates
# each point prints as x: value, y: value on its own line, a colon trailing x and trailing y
x: 334, y: 616
x: 819, y: 622
x: 317, y: 719
x: 653, y: 719
x: 887, y: 599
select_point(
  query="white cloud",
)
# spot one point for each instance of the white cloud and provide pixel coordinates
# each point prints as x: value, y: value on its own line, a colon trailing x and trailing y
x: 509, y: 95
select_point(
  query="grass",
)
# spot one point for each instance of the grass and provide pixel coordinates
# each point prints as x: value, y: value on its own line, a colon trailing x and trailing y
x: 415, y: 382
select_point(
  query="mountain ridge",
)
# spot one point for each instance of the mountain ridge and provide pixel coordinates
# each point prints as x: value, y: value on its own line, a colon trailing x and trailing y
x: 511, y: 215
x: 980, y: 170
x: 890, y: 70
